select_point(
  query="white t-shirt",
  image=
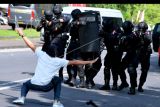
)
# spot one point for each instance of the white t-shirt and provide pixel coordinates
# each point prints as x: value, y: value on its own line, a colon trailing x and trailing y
x: 46, y: 68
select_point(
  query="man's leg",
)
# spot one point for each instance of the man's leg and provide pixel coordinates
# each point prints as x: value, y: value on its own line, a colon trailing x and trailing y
x: 56, y: 81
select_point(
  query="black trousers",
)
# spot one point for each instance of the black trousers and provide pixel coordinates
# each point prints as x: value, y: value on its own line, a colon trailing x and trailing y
x: 112, y: 63
x: 91, y: 70
x: 130, y: 62
x: 144, y: 61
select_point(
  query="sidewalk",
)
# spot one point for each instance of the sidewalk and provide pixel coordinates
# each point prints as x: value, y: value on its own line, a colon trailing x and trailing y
x: 8, y: 44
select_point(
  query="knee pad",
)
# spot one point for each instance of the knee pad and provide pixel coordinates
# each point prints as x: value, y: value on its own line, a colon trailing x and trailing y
x: 131, y: 70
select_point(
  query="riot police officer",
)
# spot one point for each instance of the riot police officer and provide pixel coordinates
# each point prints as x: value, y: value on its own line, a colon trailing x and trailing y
x: 45, y: 23
x: 73, y: 52
x: 114, y: 54
x: 144, y: 52
x: 90, y: 44
x: 130, y: 61
x: 59, y: 40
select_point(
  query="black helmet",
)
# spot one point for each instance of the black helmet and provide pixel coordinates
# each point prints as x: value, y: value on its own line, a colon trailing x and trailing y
x: 48, y: 14
x: 142, y: 26
x: 108, y: 25
x: 75, y: 13
x: 57, y: 9
x: 127, y: 26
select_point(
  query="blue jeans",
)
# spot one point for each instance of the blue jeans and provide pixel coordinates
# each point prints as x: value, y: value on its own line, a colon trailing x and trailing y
x: 55, y: 83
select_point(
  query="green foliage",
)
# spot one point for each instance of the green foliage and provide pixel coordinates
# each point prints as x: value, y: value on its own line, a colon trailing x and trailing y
x: 31, y: 33
x: 129, y: 11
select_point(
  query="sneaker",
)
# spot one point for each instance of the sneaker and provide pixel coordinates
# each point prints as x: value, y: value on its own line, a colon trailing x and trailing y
x: 19, y: 101
x: 57, y: 104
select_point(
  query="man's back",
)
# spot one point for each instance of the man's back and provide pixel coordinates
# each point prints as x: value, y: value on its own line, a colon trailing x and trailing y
x: 46, y: 67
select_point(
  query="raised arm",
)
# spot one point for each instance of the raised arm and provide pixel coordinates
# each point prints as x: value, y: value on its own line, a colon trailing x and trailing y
x: 80, y: 62
x: 26, y: 40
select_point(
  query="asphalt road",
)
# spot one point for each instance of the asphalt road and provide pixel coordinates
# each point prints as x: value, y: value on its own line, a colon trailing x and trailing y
x: 17, y: 65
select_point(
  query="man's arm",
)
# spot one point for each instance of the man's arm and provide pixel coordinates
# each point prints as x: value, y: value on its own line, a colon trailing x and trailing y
x: 80, y: 62
x: 26, y: 40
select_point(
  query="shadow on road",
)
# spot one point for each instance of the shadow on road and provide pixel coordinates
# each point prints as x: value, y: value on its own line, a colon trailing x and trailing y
x: 73, y: 97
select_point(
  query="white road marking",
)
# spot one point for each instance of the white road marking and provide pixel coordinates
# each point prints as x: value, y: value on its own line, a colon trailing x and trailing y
x: 10, y: 86
x: 19, y: 81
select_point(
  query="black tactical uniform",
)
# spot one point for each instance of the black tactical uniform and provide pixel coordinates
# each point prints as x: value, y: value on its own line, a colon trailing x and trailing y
x: 114, y: 54
x: 130, y: 60
x: 73, y: 52
x: 45, y: 23
x: 144, y: 52
x: 59, y: 40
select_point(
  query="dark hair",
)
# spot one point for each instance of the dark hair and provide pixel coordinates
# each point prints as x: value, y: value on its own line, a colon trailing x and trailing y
x: 49, y: 49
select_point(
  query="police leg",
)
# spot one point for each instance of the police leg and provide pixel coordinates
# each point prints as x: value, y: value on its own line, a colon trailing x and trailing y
x: 69, y: 74
x: 122, y: 67
x: 107, y: 64
x: 115, y: 78
x: 73, y: 75
x: 94, y: 70
x: 145, y: 64
x: 133, y: 76
x: 115, y: 62
x: 61, y: 73
x: 87, y: 73
x: 81, y: 75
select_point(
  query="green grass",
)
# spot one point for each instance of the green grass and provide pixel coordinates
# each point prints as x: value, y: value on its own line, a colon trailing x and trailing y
x: 11, y: 34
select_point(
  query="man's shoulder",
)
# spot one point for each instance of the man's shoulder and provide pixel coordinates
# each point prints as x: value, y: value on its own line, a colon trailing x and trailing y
x: 38, y: 50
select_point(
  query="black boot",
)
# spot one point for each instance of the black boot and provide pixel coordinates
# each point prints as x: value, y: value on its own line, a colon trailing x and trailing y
x: 67, y: 81
x: 140, y: 89
x: 122, y: 86
x: 114, y: 87
x: 132, y: 91
x: 105, y: 87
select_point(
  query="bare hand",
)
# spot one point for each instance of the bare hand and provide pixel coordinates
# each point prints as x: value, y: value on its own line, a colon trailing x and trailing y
x: 19, y: 31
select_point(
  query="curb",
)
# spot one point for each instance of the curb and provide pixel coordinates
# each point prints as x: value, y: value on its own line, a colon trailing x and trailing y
x: 10, y: 44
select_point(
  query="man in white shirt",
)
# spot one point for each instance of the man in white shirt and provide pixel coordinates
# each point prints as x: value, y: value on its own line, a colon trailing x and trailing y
x: 44, y: 78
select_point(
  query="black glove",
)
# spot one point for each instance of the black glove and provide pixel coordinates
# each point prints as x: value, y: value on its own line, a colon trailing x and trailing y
x: 56, y: 21
x: 43, y: 21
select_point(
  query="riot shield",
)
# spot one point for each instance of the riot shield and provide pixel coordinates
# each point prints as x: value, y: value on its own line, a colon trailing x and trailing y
x: 89, y: 31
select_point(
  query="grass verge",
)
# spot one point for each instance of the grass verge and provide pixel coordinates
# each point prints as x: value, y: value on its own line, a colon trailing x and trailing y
x: 11, y: 34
